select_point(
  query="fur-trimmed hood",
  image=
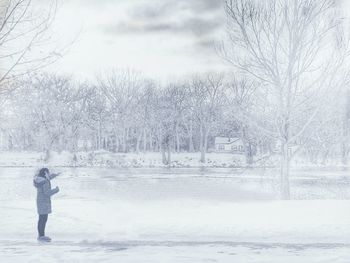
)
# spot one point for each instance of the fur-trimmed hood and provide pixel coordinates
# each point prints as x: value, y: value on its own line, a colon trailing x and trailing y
x: 39, y: 181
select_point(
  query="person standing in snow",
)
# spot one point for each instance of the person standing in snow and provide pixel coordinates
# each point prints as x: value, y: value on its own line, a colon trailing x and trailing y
x: 43, y: 201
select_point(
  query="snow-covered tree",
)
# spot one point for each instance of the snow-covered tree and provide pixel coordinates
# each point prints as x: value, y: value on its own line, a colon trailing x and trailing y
x: 24, y: 39
x: 207, y: 97
x: 122, y: 90
x: 295, y: 49
x: 49, y: 111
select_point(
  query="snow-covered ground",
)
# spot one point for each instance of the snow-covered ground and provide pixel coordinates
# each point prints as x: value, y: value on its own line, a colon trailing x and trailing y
x: 134, y: 252
x: 182, y: 215
x: 106, y: 159
x: 109, y: 159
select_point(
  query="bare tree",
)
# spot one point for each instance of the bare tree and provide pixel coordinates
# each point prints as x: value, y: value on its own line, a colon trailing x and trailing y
x: 122, y: 90
x: 295, y: 49
x: 48, y: 111
x: 171, y: 104
x: 206, y: 94
x: 240, y: 94
x: 24, y: 37
x: 145, y: 120
x: 96, y: 115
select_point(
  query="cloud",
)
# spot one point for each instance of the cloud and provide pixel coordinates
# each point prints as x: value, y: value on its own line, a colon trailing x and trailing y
x: 95, y: 3
x: 155, y: 9
x: 206, y: 5
x: 146, y: 12
x: 198, y: 17
x: 200, y: 26
x: 193, y: 26
x: 206, y: 44
x: 196, y: 24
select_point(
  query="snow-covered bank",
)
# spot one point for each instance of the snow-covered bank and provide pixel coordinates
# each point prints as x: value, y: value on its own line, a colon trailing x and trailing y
x: 109, y: 159
x: 143, y: 160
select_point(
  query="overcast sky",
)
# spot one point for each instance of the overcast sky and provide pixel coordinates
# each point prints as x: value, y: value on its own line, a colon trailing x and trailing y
x: 162, y: 38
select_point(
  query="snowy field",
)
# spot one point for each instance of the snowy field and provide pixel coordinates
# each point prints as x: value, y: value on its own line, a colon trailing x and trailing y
x: 181, y: 215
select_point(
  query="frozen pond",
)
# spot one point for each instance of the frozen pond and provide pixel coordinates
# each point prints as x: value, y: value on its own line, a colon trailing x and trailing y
x: 211, y: 184
x: 139, y: 184
x: 179, y: 215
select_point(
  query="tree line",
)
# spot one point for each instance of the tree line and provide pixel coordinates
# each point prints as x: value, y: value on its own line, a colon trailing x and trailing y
x: 122, y: 111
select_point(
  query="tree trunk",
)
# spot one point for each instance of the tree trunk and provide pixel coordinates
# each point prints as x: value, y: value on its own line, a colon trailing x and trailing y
x: 285, y: 189
x: 97, y: 141
x: 144, y: 140
x: 138, y: 142
x: 190, y: 139
x: 177, y: 137
x: 202, y: 143
x: 150, y: 136
x: 115, y: 142
x: 247, y: 147
x: 159, y: 141
x: 127, y: 146
x: 206, y: 143
x: 99, y: 135
x: 190, y: 144
x: 164, y: 160
x: 124, y: 141
x: 169, y: 154
x: 161, y: 147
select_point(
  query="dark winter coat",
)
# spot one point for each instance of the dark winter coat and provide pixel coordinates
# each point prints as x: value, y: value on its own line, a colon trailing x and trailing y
x: 44, y: 193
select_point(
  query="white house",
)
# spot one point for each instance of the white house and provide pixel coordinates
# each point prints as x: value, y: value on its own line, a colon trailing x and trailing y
x: 225, y: 144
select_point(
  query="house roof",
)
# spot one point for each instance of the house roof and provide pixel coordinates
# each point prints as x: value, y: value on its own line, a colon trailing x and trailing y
x: 225, y: 140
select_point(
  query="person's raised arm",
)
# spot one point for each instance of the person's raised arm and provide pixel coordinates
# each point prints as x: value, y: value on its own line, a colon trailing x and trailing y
x: 54, y: 175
